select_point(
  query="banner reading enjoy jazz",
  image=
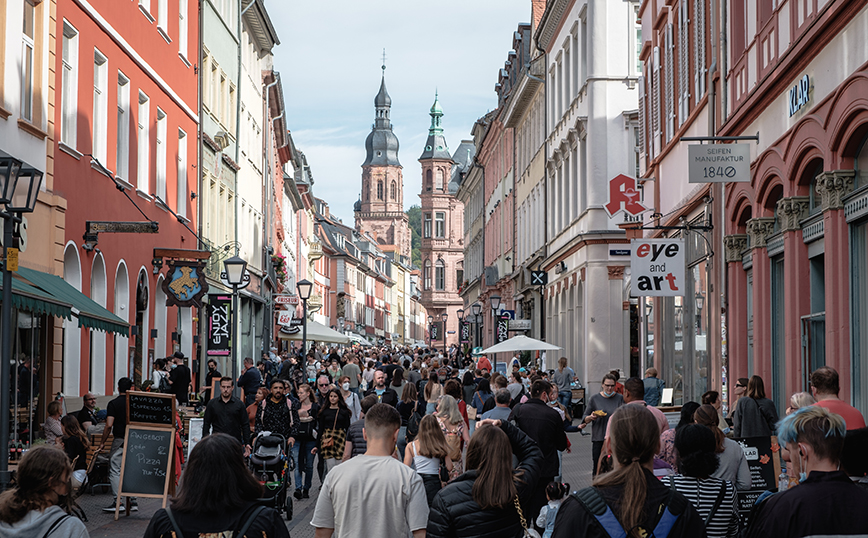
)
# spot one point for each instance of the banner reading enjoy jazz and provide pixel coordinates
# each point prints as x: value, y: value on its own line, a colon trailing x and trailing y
x: 657, y: 267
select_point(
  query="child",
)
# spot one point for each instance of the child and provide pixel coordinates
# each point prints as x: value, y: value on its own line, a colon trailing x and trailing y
x: 555, y: 493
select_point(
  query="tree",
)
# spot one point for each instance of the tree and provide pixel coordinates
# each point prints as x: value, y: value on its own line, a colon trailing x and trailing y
x: 415, y: 216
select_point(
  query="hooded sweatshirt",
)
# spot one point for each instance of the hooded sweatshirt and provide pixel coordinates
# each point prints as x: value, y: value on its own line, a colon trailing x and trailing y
x: 35, y: 524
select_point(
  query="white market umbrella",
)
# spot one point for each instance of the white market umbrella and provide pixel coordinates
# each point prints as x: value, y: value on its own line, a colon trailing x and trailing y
x: 520, y: 343
x: 316, y: 332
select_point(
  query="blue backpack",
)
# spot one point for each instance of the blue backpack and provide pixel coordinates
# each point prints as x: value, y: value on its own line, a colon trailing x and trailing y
x: 595, y: 504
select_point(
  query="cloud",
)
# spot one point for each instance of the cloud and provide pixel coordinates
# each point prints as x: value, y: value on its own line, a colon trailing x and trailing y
x: 330, y: 60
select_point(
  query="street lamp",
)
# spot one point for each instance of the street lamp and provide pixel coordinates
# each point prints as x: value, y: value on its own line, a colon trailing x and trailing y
x: 234, y: 267
x: 19, y: 188
x: 460, y: 314
x: 443, y: 317
x: 476, y: 309
x: 304, y: 288
x: 700, y: 303
x: 430, y: 330
x: 495, y: 306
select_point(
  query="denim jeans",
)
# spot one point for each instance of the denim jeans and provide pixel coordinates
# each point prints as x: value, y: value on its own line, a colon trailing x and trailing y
x: 565, y: 398
x: 303, y: 460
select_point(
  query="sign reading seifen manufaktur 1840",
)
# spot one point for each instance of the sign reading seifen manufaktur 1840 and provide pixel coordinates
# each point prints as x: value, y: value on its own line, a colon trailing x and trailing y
x: 657, y: 268
x: 718, y: 163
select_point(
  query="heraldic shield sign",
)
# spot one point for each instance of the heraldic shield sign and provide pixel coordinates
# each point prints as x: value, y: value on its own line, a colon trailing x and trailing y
x: 185, y: 283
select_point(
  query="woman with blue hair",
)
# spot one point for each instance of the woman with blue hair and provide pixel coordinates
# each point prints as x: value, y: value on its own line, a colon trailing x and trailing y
x: 826, y: 502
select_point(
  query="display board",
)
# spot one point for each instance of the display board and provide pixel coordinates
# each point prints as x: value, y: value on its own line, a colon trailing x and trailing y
x: 196, y: 425
x: 763, y: 459
x: 151, y: 408
x: 147, y: 463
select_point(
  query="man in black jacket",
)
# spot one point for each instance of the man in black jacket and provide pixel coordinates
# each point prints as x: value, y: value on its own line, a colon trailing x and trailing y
x: 180, y: 378
x: 544, y: 425
x: 228, y: 415
x: 383, y: 393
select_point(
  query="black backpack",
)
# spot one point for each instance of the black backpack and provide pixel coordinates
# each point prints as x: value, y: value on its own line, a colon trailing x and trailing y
x: 413, y: 423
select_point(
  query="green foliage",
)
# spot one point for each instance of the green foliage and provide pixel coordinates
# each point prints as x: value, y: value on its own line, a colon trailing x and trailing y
x: 415, y: 216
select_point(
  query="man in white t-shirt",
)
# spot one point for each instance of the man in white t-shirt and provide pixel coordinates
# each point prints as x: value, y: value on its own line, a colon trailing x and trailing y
x: 373, y: 494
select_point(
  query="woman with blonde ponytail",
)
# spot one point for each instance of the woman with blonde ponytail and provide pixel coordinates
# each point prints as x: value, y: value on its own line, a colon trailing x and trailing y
x: 629, y: 499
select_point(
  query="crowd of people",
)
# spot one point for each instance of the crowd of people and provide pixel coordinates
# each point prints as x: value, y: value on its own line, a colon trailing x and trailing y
x: 414, y: 443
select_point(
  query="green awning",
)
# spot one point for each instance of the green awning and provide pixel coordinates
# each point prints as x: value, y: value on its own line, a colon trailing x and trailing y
x: 90, y: 314
x: 30, y: 299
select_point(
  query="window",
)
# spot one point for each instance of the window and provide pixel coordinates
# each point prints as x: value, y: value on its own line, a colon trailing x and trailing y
x: 683, y: 63
x: 439, y: 184
x: 27, y: 61
x: 230, y: 113
x: 100, y: 107
x: 182, y: 27
x: 859, y: 312
x: 221, y: 100
x: 440, y: 274
x: 393, y: 191
x: 144, y: 134
x: 428, y: 180
x: 584, y: 50
x: 182, y: 174
x: 122, y: 147
x: 427, y: 274
x: 440, y: 224
x: 163, y: 16
x: 699, y: 68
x: 426, y: 231
x: 69, y: 86
x: 161, y: 154
x: 669, y: 81
x: 380, y: 190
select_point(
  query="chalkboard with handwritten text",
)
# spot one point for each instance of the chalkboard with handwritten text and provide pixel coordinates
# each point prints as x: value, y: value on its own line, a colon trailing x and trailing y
x: 147, y: 461
x: 151, y: 408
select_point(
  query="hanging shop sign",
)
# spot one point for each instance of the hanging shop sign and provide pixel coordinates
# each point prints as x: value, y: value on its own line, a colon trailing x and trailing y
x: 657, y: 268
x: 286, y: 299
x: 624, y: 196
x: 286, y: 318
x: 503, y: 326
x: 219, y: 324
x: 185, y: 283
x: 465, y: 331
x: 718, y: 163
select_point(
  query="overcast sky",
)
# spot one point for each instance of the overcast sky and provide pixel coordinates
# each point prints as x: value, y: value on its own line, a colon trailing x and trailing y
x: 329, y: 61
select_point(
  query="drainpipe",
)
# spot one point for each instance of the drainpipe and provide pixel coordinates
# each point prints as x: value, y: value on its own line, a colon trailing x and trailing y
x: 200, y: 372
x: 268, y: 321
x: 542, y: 317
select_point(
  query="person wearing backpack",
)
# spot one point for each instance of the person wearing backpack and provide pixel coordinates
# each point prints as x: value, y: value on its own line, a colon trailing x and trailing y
x: 452, y: 424
x: 629, y: 501
x: 218, y: 496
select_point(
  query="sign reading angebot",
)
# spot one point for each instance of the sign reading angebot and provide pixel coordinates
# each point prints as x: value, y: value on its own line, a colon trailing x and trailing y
x: 718, y: 163
x: 657, y: 266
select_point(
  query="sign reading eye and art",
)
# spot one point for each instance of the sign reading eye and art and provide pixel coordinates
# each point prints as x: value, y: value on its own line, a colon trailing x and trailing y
x: 219, y: 324
x: 657, y: 267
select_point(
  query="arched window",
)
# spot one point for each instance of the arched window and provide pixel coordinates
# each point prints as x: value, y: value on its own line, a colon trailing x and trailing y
x: 427, y: 274
x: 860, y: 163
x: 440, y: 274
x: 814, y: 201
x: 393, y: 191
x: 380, y: 190
x: 428, y: 180
x: 439, y: 184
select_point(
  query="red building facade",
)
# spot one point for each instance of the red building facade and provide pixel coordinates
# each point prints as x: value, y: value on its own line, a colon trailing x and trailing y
x: 127, y: 124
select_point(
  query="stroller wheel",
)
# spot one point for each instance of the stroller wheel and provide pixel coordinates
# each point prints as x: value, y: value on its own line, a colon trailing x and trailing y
x: 287, y: 506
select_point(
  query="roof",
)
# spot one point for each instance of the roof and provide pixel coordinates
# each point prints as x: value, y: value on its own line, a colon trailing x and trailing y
x: 463, y: 158
x: 381, y: 145
x: 435, y: 146
x: 260, y: 24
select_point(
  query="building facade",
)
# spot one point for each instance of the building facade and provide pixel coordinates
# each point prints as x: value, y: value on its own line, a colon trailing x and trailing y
x: 380, y: 209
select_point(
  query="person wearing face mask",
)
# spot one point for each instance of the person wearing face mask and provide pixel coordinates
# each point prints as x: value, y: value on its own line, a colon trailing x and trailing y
x: 545, y: 426
x: 350, y: 398
x: 600, y: 408
x: 827, y: 502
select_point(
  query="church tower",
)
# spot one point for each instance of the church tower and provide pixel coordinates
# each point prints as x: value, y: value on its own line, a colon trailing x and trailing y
x: 380, y: 209
x: 442, y: 247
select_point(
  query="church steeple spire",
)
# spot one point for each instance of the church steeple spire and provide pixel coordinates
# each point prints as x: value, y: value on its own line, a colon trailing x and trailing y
x: 382, y: 144
x: 436, y: 116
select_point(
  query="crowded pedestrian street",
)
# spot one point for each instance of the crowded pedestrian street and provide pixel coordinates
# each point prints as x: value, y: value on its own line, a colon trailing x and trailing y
x: 490, y: 269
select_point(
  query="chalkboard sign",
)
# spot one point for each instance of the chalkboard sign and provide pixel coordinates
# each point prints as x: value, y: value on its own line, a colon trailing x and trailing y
x: 146, y: 468
x: 763, y: 460
x: 151, y: 408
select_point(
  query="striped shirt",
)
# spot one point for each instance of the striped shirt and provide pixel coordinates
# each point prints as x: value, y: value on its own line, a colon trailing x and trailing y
x: 702, y: 493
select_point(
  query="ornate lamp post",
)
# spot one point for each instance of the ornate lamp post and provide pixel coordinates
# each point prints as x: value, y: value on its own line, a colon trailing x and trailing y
x: 304, y: 289
x: 495, y: 307
x: 234, y: 267
x: 443, y: 317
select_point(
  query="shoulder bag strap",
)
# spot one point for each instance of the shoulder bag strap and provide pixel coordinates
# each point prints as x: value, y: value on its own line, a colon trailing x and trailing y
x: 57, y: 523
x: 591, y: 500
x: 716, y: 504
x: 249, y: 521
x: 174, y: 523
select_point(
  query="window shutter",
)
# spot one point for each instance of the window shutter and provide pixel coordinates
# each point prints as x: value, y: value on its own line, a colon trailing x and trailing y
x: 683, y: 63
x: 642, y: 118
x: 670, y: 83
x: 655, y: 103
x: 699, y: 70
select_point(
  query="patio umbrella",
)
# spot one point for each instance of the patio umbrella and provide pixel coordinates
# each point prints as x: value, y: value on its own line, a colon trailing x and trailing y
x: 520, y: 343
x: 316, y: 332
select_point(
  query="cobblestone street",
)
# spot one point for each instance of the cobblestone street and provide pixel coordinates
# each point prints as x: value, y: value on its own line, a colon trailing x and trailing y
x: 577, y: 471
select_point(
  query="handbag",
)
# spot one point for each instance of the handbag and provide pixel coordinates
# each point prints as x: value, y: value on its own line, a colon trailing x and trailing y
x: 444, y: 473
x: 528, y: 533
x: 471, y: 411
x: 329, y: 441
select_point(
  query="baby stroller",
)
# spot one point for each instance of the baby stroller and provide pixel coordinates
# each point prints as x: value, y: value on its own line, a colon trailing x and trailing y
x: 270, y: 465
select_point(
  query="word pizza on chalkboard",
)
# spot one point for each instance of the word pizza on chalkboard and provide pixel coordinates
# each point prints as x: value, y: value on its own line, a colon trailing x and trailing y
x: 147, y: 463
x: 150, y: 408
